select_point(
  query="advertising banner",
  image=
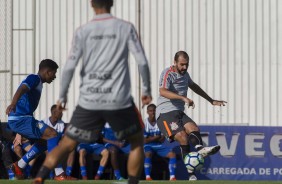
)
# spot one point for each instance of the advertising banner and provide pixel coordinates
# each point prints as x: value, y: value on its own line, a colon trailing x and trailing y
x: 247, y: 153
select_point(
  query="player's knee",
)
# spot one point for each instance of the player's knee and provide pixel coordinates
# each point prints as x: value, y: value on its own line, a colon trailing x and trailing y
x: 113, y: 150
x: 171, y: 155
x: 82, y: 152
x: 191, y: 127
x: 17, y: 149
x: 181, y: 137
x: 105, y: 153
x: 148, y: 154
x: 51, y: 133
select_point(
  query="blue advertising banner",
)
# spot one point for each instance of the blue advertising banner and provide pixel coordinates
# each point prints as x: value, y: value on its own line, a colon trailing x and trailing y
x: 247, y: 153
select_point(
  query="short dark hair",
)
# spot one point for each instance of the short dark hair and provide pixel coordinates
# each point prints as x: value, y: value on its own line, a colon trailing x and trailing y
x: 53, y: 107
x: 151, y: 105
x: 102, y: 4
x: 181, y: 53
x: 48, y: 63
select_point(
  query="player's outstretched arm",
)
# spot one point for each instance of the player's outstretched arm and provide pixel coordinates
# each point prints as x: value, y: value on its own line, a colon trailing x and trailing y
x: 21, y: 90
x: 197, y: 89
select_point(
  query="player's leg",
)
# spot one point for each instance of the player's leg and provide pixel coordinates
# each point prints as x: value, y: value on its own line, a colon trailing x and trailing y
x: 59, y: 173
x: 70, y: 162
x: 114, y: 152
x: 195, y: 138
x: 35, y: 150
x: 27, y: 146
x: 31, y: 128
x: 101, y: 150
x: 127, y: 124
x: 66, y: 145
x: 31, y: 152
x: 85, y: 126
x: 17, y: 150
x: 81, y: 148
x: 6, y: 157
x: 170, y: 124
x: 135, y: 158
x: 165, y: 151
x: 148, y: 161
x: 43, y: 131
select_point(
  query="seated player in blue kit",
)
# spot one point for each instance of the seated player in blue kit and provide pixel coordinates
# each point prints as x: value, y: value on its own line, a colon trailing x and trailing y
x: 92, y: 148
x: 115, y: 147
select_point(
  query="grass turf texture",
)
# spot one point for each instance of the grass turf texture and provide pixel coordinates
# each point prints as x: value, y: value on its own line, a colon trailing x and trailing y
x: 141, y: 182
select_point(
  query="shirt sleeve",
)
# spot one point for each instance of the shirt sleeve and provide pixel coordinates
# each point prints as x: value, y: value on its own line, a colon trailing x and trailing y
x: 136, y: 49
x: 165, y: 80
x: 31, y: 81
x: 71, y: 63
x: 190, y: 81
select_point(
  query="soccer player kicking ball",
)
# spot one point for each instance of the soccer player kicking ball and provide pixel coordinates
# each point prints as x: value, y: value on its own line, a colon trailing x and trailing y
x: 171, y: 119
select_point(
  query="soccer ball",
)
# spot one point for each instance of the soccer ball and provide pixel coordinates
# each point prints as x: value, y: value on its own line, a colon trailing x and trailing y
x: 193, y: 161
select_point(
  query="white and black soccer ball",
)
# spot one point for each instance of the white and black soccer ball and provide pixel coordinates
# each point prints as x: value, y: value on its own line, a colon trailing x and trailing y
x: 193, y: 161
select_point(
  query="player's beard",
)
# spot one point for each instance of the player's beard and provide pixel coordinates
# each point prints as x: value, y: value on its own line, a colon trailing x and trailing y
x: 181, y: 72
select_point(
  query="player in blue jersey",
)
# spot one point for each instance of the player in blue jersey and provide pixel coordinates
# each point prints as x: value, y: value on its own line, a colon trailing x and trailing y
x: 97, y: 149
x: 154, y: 144
x: 115, y: 147
x: 24, y: 103
x: 171, y: 119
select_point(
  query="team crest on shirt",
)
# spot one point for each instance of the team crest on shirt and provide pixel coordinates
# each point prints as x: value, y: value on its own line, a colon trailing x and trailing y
x: 39, y: 125
x: 173, y: 126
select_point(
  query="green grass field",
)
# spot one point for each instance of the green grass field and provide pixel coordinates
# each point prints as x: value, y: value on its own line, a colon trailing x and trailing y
x: 142, y: 182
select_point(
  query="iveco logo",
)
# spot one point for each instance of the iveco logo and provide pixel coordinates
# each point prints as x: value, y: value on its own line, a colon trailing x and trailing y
x: 253, y: 144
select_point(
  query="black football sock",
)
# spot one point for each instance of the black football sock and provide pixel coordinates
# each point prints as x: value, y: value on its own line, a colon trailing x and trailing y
x: 43, y: 172
x: 196, y: 140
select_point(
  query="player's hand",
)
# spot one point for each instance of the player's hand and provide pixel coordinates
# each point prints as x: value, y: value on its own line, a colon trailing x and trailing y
x: 189, y: 102
x: 10, y: 108
x: 61, y: 106
x: 219, y: 102
x: 120, y: 144
x: 146, y: 100
x: 18, y: 140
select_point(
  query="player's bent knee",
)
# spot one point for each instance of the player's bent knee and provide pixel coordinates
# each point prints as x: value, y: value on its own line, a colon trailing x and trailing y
x: 181, y: 137
x: 49, y: 133
x: 171, y: 155
x: 82, y: 152
x: 105, y: 153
